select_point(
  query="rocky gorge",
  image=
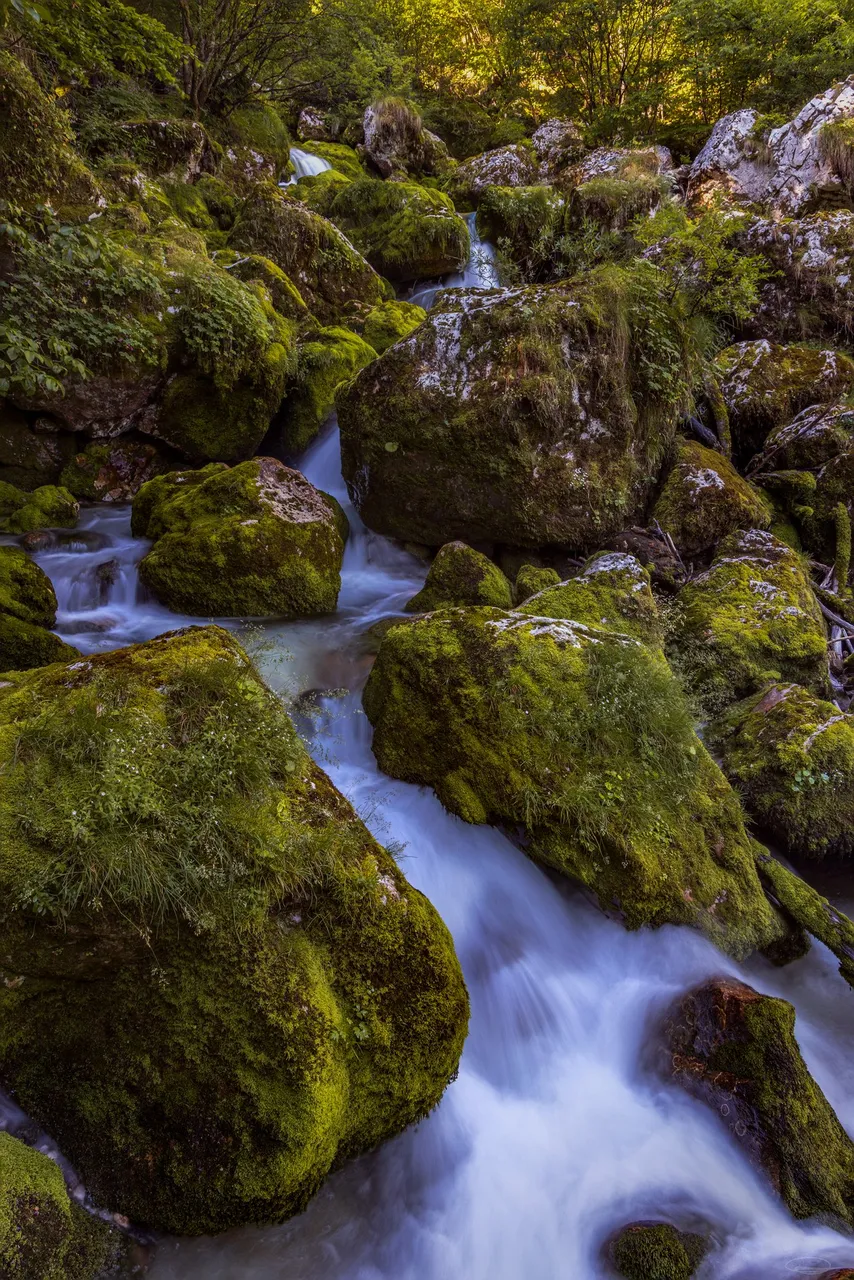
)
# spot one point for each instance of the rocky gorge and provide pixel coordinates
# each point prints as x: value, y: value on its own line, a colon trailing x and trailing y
x: 427, y: 637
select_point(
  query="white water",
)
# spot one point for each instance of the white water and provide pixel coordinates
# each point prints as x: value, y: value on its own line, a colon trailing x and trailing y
x: 305, y: 165
x: 556, y: 1131
x: 480, y: 271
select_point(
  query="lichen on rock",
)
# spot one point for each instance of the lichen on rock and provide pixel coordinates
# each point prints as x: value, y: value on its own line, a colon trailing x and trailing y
x: 611, y: 591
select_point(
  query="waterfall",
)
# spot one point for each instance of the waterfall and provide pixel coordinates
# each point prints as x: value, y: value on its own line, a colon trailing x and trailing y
x: 305, y: 165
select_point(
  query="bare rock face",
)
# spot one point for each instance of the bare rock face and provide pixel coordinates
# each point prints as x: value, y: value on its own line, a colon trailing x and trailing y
x: 736, y: 1050
x: 558, y: 144
x: 619, y: 162
x: 813, y: 261
x: 511, y: 166
x: 396, y: 142
x: 791, y: 172
x: 313, y: 126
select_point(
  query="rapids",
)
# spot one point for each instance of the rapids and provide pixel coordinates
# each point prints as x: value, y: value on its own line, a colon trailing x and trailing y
x: 305, y: 165
x: 557, y: 1131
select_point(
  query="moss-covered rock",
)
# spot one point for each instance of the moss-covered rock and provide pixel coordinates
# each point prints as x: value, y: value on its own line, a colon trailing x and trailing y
x: 49, y: 506
x: 812, y: 262
x: 27, y: 610
x: 612, y: 591
x: 531, y: 578
x: 256, y: 142
x: 388, y: 323
x: 526, y: 416
x: 656, y: 1251
x: 344, y: 160
x: 764, y: 385
x: 318, y: 258
x: 704, y: 498
x: 216, y: 983
x: 252, y: 540
x: 791, y: 756
x: 736, y: 1050
x: 38, y: 164
x: 327, y: 358
x: 318, y: 190
x: 809, y: 910
x: 29, y: 459
x: 114, y: 470
x: 749, y: 619
x: 582, y: 738
x: 396, y: 142
x: 461, y: 575
x: 251, y: 268
x: 44, y: 1235
x: 405, y: 231
x: 613, y: 202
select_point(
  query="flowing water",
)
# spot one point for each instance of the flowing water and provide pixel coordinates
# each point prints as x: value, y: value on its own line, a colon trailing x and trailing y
x: 305, y: 165
x: 558, y: 1129
x: 479, y: 272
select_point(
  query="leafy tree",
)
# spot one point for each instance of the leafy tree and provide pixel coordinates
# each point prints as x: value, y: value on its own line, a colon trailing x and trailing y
x: 96, y: 37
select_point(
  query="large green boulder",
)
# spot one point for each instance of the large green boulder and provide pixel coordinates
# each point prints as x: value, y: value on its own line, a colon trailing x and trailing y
x: 49, y: 506
x: 406, y: 232
x: 581, y: 738
x: 764, y: 385
x: 612, y: 591
x: 791, y: 756
x: 328, y: 272
x: 704, y: 498
x: 326, y: 358
x: 247, y: 541
x: 461, y: 575
x: 215, y: 983
x: 750, y: 618
x: 526, y: 417
x: 44, y: 1234
x: 27, y: 611
x: 736, y: 1050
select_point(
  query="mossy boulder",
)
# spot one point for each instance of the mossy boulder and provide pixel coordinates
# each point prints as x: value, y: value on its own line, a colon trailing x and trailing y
x: 519, y: 220
x: 49, y: 506
x: 461, y: 575
x: 791, y: 756
x: 613, y: 202
x: 247, y: 541
x: 612, y: 591
x: 27, y: 611
x: 44, y: 1234
x: 216, y: 983
x: 388, y: 323
x: 327, y: 358
x: 581, y: 739
x: 765, y: 384
x: 251, y: 268
x: 318, y: 190
x: 736, y: 1050
x: 531, y: 578
x: 749, y: 619
x: 656, y: 1251
x: 256, y: 142
x: 704, y: 499
x: 344, y: 160
x: 29, y: 459
x: 527, y: 417
x: 312, y: 252
x: 405, y: 231
x: 809, y: 910
x: 38, y: 164
x: 396, y: 142
x: 515, y: 165
x: 812, y: 263
x: 114, y: 470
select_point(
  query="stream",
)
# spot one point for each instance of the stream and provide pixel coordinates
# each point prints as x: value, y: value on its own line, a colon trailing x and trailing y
x: 557, y: 1130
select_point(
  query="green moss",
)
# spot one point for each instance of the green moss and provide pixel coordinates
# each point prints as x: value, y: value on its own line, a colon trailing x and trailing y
x: 612, y: 591
x: 271, y: 995
x: 704, y: 498
x: 614, y: 202
x: 327, y: 358
x: 461, y: 575
x: 37, y: 161
x: 42, y: 1232
x: 284, y: 294
x: 810, y: 911
x: 258, y: 127
x: 765, y: 385
x: 27, y: 609
x: 532, y: 578
x: 404, y: 230
x: 737, y: 1050
x: 253, y: 540
x: 842, y: 559
x: 323, y: 265
x: 531, y: 420
x: 791, y: 756
x: 344, y: 160
x: 521, y: 221
x: 582, y: 737
x: 656, y: 1251
x: 389, y: 323
x: 46, y: 507
x: 751, y: 618
x: 318, y: 190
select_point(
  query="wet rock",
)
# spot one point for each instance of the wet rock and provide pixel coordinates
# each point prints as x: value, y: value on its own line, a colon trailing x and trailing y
x: 27, y: 611
x: 704, y: 498
x: 396, y: 142
x: 810, y: 911
x: 749, y: 619
x: 115, y: 471
x: 45, y: 507
x: 612, y: 591
x: 313, y: 253
x: 791, y: 170
x: 656, y: 1251
x: 28, y: 458
x: 103, y: 406
x: 461, y: 575
x: 736, y: 1050
x: 267, y: 994
x: 54, y: 539
x: 579, y: 740
x: 247, y: 541
x: 512, y: 166
x: 507, y: 416
x: 791, y: 756
x: 764, y: 385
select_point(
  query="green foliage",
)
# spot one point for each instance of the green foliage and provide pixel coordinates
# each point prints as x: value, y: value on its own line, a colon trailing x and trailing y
x: 93, y: 38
